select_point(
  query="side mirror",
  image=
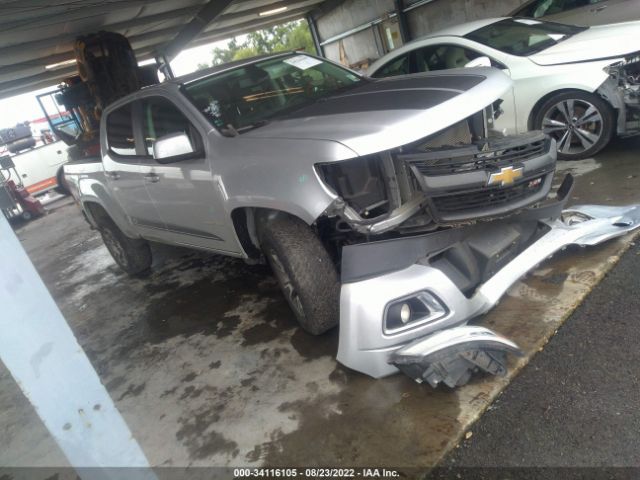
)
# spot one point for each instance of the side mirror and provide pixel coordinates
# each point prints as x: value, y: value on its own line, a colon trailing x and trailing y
x: 173, y: 147
x: 479, y: 62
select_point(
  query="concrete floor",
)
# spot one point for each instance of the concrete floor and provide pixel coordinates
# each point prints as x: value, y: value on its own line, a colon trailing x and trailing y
x: 206, y: 363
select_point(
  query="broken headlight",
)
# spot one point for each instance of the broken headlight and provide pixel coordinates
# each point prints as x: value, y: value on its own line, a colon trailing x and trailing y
x: 627, y: 70
x: 412, y: 311
x: 360, y: 183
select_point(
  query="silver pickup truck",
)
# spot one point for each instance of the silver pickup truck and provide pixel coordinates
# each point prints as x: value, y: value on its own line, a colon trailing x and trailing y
x: 300, y: 161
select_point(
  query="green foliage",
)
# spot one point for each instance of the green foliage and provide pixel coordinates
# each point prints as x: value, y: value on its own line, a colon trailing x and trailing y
x: 289, y: 36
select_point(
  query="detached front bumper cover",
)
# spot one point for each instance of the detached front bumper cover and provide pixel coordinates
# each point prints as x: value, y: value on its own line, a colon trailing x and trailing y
x: 445, y: 350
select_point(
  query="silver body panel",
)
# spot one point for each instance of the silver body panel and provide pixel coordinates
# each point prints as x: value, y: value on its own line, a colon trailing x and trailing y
x: 363, y: 345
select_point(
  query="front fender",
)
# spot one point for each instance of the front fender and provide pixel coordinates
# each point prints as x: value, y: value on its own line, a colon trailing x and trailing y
x: 277, y: 174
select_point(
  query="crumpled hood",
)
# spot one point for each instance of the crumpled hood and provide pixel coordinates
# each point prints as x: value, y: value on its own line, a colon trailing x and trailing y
x: 382, y: 114
x: 596, y: 43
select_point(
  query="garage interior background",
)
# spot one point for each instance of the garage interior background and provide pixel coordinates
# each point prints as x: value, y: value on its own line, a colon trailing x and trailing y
x: 36, y: 39
x: 356, y: 32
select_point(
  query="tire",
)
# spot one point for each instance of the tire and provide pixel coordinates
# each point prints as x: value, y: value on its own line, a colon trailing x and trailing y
x: 63, y: 187
x: 132, y: 255
x: 581, y: 123
x: 305, y: 272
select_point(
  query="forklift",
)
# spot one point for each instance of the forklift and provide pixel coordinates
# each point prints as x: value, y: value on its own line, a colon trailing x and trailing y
x: 107, y: 70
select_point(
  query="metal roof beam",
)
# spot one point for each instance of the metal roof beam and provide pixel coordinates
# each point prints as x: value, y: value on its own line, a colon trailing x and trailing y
x: 114, y: 27
x: 271, y: 6
x: 79, y: 11
x: 197, y: 25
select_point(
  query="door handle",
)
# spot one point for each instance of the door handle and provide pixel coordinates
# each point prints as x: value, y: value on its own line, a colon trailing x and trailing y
x: 598, y: 9
x: 152, y: 177
x: 113, y: 175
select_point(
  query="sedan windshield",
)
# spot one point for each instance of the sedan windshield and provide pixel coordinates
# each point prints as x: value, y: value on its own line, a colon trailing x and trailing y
x: 247, y: 97
x: 523, y: 36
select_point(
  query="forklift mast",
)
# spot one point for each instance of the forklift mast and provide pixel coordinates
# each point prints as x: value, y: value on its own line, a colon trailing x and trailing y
x: 107, y: 70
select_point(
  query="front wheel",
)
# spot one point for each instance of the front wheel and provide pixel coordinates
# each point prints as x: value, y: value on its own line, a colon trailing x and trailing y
x: 132, y: 255
x: 305, y: 272
x: 581, y: 123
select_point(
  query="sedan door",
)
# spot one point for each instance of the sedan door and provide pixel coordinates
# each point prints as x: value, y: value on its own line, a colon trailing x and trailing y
x: 183, y: 188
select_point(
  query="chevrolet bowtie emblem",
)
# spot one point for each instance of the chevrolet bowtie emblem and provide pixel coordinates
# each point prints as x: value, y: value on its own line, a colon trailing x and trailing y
x: 506, y: 176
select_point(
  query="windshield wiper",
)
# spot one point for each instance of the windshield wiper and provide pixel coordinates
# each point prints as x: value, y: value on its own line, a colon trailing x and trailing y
x: 231, y: 131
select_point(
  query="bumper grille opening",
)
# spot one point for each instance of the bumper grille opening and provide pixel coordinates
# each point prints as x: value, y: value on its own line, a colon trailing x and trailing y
x: 450, y: 163
x: 487, y: 198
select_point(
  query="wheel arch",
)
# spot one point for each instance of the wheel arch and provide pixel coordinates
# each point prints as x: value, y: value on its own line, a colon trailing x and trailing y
x: 246, y: 221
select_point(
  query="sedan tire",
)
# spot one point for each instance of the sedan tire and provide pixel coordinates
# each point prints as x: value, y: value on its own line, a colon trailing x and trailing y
x: 581, y: 123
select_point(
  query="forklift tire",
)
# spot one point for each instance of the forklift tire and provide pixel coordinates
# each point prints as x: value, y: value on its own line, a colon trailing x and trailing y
x: 63, y: 187
x: 132, y: 255
x: 304, y: 270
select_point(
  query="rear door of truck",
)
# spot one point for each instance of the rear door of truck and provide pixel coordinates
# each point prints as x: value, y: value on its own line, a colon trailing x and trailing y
x: 122, y: 168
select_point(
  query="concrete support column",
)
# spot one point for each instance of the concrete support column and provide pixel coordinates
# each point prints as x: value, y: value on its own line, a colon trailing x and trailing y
x: 42, y: 353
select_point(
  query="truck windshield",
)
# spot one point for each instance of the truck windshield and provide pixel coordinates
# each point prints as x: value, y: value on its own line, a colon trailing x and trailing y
x: 523, y: 36
x: 247, y: 97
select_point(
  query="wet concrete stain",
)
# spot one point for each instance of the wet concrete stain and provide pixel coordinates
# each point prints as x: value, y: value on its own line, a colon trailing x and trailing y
x: 276, y: 318
x: 311, y: 347
x: 132, y: 391
x: 197, y: 435
x: 392, y: 422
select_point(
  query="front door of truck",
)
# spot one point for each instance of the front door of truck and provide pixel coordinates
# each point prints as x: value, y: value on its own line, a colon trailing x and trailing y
x: 121, y: 164
x: 184, y: 190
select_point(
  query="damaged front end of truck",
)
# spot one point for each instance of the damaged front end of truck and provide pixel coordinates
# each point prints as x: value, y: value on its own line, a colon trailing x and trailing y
x: 406, y: 302
x: 434, y: 232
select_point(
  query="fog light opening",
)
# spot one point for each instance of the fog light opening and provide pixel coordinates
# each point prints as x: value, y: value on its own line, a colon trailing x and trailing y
x: 413, y: 310
x: 405, y: 313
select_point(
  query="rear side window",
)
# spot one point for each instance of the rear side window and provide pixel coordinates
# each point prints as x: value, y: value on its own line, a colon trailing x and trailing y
x: 397, y: 66
x: 160, y: 118
x: 120, y: 136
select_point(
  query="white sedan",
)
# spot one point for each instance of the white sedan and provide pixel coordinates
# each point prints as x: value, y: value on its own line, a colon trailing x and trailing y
x: 581, y: 85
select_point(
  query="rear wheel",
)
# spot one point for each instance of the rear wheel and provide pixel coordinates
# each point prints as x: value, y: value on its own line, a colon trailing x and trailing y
x: 581, y: 123
x: 132, y: 255
x: 305, y: 272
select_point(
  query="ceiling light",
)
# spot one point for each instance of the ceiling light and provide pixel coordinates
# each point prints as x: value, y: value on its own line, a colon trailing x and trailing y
x: 272, y: 12
x: 59, y: 64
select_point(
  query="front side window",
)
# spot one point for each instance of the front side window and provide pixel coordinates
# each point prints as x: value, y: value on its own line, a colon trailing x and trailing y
x: 120, y: 136
x: 161, y: 118
x: 523, y: 37
x: 246, y: 97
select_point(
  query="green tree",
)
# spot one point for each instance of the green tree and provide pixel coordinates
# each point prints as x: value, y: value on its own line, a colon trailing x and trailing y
x: 288, y: 36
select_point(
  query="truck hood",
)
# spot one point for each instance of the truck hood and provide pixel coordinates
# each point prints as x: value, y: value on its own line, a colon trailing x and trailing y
x: 382, y: 114
x: 596, y: 43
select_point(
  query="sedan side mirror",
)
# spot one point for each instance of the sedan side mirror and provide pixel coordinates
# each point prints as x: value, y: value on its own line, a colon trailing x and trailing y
x: 479, y: 62
x: 173, y: 148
